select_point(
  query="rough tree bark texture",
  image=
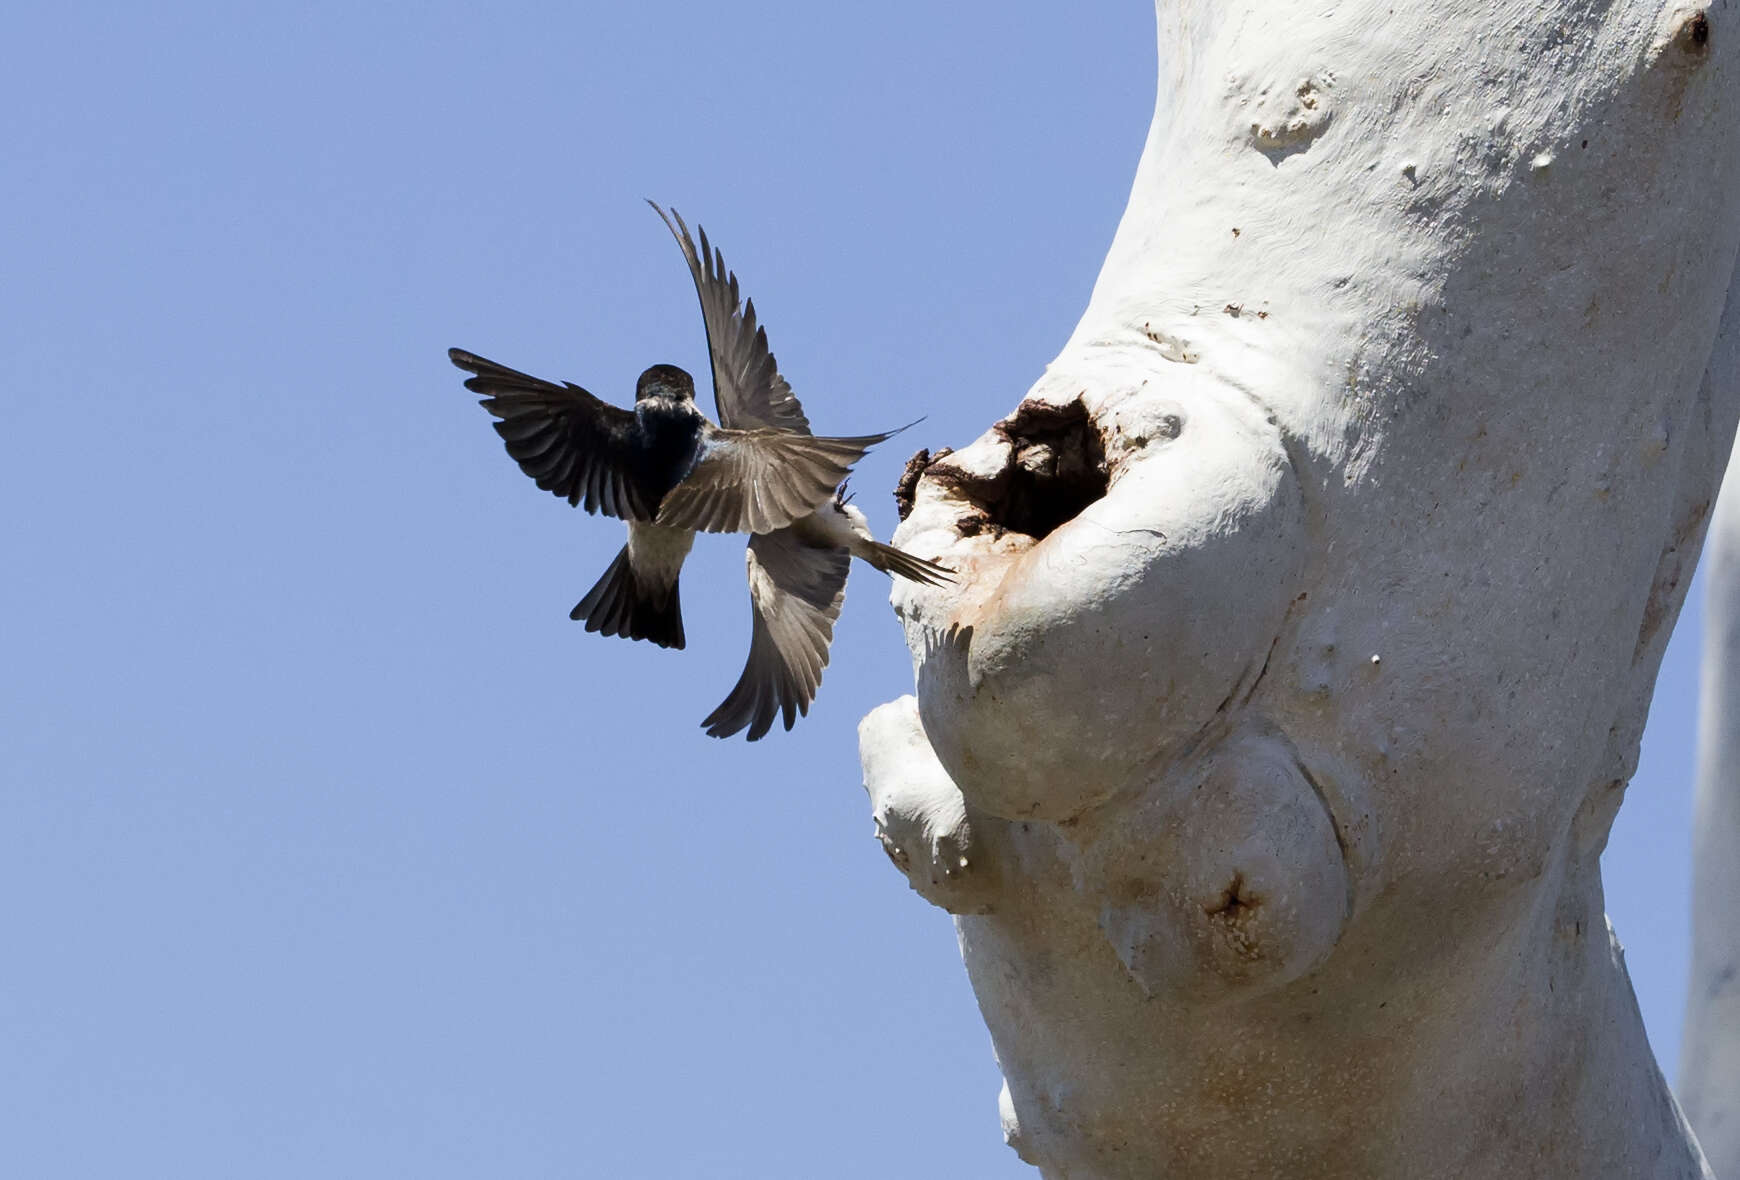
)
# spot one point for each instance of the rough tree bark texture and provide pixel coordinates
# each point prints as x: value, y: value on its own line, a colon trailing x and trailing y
x: 1710, y: 1056
x: 1314, y: 597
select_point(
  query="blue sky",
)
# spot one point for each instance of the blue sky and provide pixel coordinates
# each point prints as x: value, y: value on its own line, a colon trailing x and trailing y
x: 328, y: 845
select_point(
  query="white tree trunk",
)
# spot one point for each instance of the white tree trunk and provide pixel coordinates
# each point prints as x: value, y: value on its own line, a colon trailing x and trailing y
x: 1269, y: 783
x: 1710, y: 1055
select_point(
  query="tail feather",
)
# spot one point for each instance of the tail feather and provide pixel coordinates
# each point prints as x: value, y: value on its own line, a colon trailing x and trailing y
x: 620, y: 605
x: 890, y: 560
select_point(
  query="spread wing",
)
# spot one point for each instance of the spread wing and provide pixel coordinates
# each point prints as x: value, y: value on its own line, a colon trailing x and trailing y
x: 746, y: 383
x: 755, y: 481
x: 570, y: 442
x: 795, y: 592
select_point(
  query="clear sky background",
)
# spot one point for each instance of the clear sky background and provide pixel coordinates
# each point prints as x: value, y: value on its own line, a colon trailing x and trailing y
x: 328, y: 845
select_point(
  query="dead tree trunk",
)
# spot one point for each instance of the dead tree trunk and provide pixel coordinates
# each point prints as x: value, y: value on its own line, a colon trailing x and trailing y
x: 1314, y: 597
x: 1710, y: 1054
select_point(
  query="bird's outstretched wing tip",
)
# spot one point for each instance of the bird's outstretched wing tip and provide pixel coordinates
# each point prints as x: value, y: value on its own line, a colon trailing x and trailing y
x: 675, y: 223
x: 722, y: 729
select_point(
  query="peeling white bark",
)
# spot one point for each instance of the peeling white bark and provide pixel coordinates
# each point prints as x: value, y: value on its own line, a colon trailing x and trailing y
x: 1710, y: 1054
x: 1286, y: 763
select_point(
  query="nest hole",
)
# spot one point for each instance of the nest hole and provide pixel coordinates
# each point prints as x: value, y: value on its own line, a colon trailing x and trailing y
x: 1056, y: 468
x: 1059, y: 468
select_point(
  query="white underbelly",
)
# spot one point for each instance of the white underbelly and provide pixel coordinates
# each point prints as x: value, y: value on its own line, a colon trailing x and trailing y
x: 834, y: 526
x: 657, y: 552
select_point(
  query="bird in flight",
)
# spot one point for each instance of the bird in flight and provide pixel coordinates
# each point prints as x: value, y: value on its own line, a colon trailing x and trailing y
x: 669, y: 472
x: 797, y: 573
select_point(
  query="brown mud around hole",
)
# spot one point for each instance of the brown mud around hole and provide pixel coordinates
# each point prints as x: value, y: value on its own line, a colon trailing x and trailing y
x: 1056, y: 468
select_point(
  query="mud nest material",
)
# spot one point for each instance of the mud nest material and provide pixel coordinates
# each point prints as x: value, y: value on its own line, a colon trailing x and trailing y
x: 1056, y: 468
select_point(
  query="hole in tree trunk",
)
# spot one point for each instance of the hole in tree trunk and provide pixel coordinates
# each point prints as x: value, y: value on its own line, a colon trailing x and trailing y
x: 1056, y: 468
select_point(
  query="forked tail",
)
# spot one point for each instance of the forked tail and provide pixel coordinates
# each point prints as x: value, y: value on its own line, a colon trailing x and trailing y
x: 621, y: 605
x: 890, y: 560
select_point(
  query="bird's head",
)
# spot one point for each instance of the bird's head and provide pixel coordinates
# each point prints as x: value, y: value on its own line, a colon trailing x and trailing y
x: 665, y: 381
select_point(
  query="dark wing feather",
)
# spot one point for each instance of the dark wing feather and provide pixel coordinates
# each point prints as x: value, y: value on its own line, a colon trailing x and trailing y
x: 571, y: 443
x: 795, y: 592
x: 747, y: 386
x: 755, y: 481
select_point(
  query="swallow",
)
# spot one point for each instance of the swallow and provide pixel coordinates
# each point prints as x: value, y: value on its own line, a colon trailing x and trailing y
x: 797, y: 572
x: 663, y: 467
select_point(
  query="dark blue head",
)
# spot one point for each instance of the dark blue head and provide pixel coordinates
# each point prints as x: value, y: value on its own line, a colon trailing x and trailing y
x: 665, y: 381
